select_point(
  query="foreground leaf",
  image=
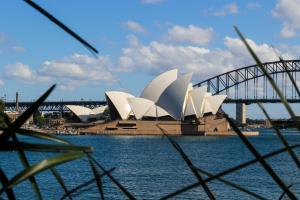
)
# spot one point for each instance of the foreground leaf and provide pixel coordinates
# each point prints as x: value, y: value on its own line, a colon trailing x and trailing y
x: 84, y: 185
x: 119, y: 185
x: 60, y: 181
x: 3, y: 178
x: 282, y: 139
x: 42, y: 166
x: 41, y: 135
x: 267, y: 167
x: 61, y: 25
x: 25, y: 115
x: 98, y: 180
x: 232, y: 184
x: 10, y: 146
x: 191, y: 166
x: 228, y: 171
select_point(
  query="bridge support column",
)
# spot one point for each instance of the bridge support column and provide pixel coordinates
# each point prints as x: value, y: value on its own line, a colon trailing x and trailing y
x: 241, y: 114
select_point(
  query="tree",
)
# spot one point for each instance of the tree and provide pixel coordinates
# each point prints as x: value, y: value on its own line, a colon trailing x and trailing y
x: 40, y: 121
x: 2, y: 106
x: 4, y: 119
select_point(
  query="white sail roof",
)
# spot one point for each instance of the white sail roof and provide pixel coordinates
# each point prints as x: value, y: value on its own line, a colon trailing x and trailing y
x: 99, y: 110
x: 156, y: 87
x: 84, y: 114
x: 119, y: 100
x: 189, y: 108
x: 206, y: 105
x: 139, y: 106
x: 197, y: 95
x: 213, y: 103
x: 156, y: 111
x: 173, y: 97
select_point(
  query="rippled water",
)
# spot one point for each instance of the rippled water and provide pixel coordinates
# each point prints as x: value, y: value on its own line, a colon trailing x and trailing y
x: 150, y: 168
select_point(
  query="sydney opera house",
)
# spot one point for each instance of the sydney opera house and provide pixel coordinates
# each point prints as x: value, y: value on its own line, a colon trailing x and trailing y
x: 168, y: 104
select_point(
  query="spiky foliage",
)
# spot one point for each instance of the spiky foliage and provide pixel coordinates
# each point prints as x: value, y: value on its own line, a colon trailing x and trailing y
x: 64, y: 152
x: 286, y: 190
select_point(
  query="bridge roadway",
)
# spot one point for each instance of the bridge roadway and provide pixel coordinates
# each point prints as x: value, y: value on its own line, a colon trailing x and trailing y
x: 242, y: 86
x: 52, y: 106
x: 59, y: 106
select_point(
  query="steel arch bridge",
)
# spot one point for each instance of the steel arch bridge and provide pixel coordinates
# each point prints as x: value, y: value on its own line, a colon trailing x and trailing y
x: 53, y: 106
x: 249, y: 84
x: 244, y: 85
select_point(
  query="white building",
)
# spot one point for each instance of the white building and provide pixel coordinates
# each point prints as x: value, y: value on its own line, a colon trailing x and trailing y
x: 166, y: 95
x: 85, y: 114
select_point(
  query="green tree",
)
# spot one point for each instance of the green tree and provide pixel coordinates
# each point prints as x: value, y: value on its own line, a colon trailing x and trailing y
x: 4, y: 119
x: 2, y: 106
x: 40, y: 121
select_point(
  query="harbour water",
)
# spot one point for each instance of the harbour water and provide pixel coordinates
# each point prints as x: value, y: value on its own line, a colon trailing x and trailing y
x: 149, y: 167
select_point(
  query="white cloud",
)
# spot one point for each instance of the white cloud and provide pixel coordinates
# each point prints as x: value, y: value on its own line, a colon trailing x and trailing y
x: 288, y: 12
x: 287, y: 32
x: 77, y: 69
x: 69, y: 73
x: 157, y: 57
x: 192, y: 34
x: 151, y: 1
x: 134, y: 26
x: 228, y: 9
x: 19, y: 49
x: 1, y: 82
x: 133, y: 40
x: 22, y: 72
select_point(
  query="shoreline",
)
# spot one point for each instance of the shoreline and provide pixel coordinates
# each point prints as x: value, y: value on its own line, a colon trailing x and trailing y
x: 79, y: 132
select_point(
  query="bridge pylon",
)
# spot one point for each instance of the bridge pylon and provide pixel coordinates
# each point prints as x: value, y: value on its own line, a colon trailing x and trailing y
x: 241, y: 113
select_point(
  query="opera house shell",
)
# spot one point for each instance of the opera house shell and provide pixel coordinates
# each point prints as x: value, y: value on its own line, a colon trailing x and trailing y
x: 85, y: 114
x: 166, y: 95
x: 169, y: 101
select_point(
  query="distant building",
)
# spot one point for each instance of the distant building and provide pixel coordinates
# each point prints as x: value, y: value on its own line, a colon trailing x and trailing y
x: 85, y: 114
x: 166, y: 95
x: 166, y: 99
x: 14, y: 115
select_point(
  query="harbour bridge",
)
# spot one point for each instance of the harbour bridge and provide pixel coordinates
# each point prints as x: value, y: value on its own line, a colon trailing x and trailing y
x: 53, y: 106
x: 242, y: 86
x: 250, y: 85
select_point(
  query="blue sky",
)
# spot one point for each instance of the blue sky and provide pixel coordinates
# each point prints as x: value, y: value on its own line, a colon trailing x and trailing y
x: 137, y: 40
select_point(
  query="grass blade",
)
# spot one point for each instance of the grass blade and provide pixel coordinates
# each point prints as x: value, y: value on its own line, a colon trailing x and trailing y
x: 4, y: 181
x: 119, y: 185
x: 191, y: 166
x: 270, y: 79
x: 11, y: 146
x: 60, y: 181
x: 41, y: 135
x: 244, y: 139
x: 42, y: 166
x: 283, y: 193
x: 98, y: 180
x: 55, y: 147
x: 11, y: 130
x: 88, y: 183
x: 25, y: 115
x: 257, y: 155
x: 282, y: 139
x: 61, y: 25
x: 231, y: 184
x: 228, y: 171
x: 287, y: 71
x: 290, y: 76
x: 26, y: 165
